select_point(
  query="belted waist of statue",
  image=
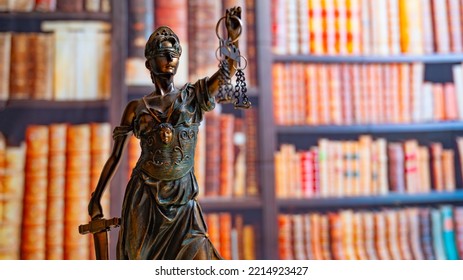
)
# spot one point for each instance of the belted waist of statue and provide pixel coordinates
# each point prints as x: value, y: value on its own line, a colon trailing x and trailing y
x: 168, y: 152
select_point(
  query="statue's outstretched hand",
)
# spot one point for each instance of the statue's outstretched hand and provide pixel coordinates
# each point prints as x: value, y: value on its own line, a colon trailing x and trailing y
x: 94, y: 208
x: 233, y: 23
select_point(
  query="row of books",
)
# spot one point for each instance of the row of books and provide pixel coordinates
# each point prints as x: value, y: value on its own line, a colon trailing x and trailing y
x: 225, y: 156
x: 70, y: 61
x: 345, y: 94
x: 71, y: 6
x: 365, y: 27
x: 195, y: 24
x: 46, y: 186
x: 336, y: 168
x: 231, y: 236
x: 390, y: 234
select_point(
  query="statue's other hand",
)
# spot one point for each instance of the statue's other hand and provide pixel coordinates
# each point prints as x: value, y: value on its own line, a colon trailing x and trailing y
x: 94, y: 208
x: 233, y: 25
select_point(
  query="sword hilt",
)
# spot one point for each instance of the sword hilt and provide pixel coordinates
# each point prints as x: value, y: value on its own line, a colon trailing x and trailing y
x: 99, y: 225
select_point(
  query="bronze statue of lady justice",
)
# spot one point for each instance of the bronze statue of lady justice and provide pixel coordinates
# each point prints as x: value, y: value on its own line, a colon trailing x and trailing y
x: 161, y: 217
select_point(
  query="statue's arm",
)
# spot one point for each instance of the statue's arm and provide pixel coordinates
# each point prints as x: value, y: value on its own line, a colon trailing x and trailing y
x: 234, y: 31
x: 94, y: 207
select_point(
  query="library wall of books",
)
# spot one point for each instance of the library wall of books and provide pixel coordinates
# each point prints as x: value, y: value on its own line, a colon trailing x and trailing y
x: 353, y: 147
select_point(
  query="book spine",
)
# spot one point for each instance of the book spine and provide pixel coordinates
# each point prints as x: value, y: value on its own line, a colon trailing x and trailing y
x: 77, y: 191
x: 55, y: 193
x: 141, y: 22
x: 70, y: 6
x: 20, y: 62
x: 11, y: 199
x: 437, y: 236
x: 251, y: 152
x: 213, y: 159
x: 35, y: 194
x: 448, y: 232
x: 5, y: 57
x: 226, y: 122
x: 175, y: 15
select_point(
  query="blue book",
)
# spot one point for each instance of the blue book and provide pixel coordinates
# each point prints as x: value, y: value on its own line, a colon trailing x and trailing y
x: 437, y: 236
x: 448, y: 232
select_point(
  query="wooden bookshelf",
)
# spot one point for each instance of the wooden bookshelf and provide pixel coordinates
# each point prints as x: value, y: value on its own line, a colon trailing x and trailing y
x: 437, y: 69
x: 16, y: 115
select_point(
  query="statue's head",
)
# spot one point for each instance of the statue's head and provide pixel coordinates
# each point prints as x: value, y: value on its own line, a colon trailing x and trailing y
x: 158, y: 43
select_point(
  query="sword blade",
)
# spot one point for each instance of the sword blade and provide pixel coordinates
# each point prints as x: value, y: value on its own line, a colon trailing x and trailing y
x: 101, y: 245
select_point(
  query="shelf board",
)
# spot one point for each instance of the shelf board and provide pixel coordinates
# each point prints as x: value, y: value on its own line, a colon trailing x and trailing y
x: 135, y: 92
x: 51, y: 104
x: 434, y: 58
x: 391, y: 200
x: 56, y: 16
x: 371, y: 128
x: 211, y: 204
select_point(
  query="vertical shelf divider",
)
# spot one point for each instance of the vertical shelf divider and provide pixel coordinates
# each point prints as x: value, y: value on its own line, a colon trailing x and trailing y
x: 266, y: 130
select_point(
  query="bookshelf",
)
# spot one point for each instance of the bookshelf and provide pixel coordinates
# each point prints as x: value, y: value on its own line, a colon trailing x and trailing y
x: 276, y: 211
x: 17, y: 114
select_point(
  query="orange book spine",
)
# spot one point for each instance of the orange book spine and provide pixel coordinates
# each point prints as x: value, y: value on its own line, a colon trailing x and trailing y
x: 56, y: 185
x: 278, y: 88
x: 450, y: 102
x: 368, y: 222
x: 448, y: 167
x: 311, y: 95
x: 11, y: 199
x: 20, y: 62
x: 437, y: 166
x: 316, y: 234
x: 100, y: 145
x: 381, y: 236
x: 35, y: 194
x: 212, y: 174
x: 336, y: 233
x: 359, y: 237
x: 225, y: 221
x: 251, y: 152
x: 323, y: 95
x: 316, y: 27
x: 404, y: 235
x: 226, y: 155
x: 77, y: 191
x: 284, y: 237
x: 325, y: 237
x: 424, y: 170
x: 404, y: 93
x: 213, y: 228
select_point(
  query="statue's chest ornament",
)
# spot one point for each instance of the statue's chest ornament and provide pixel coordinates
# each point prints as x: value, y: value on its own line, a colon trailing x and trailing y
x: 166, y: 130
